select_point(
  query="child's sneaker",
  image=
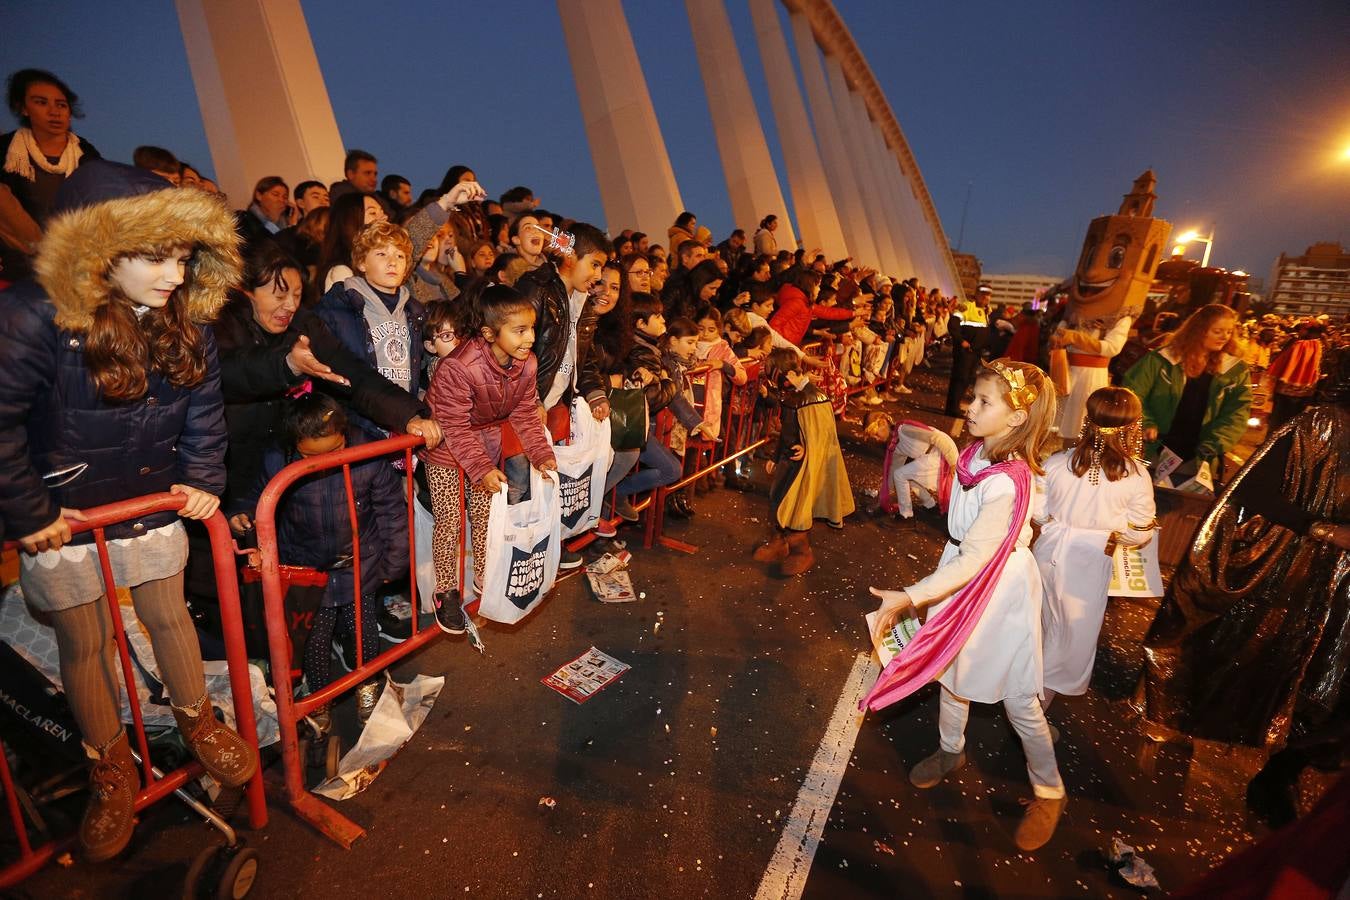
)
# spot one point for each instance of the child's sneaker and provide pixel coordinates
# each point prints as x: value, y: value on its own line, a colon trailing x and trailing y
x: 449, y: 612
x: 568, y: 560
x: 395, y: 618
x: 605, y: 529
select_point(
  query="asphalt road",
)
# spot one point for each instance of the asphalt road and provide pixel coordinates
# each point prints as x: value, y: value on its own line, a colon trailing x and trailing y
x: 679, y: 779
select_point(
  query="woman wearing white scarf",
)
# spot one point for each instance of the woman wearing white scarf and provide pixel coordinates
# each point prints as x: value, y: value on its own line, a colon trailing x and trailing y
x: 39, y: 156
x: 43, y: 152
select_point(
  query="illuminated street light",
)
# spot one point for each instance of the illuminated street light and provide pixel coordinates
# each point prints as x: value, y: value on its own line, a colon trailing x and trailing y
x: 1189, y: 236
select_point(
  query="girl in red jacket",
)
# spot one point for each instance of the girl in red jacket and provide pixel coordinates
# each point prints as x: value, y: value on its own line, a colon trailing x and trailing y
x: 797, y: 307
x: 485, y: 383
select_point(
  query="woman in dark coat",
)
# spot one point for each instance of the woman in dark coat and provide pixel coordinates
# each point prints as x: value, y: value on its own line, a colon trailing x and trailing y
x: 41, y: 154
x: 269, y: 346
x: 112, y: 391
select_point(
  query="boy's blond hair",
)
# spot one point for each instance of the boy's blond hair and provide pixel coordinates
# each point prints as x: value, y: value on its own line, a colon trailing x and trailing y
x: 1022, y: 386
x: 380, y: 234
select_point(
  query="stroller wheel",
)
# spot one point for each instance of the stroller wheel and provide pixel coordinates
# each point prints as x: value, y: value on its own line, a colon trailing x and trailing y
x: 199, y: 873
x: 236, y: 880
x: 222, y: 873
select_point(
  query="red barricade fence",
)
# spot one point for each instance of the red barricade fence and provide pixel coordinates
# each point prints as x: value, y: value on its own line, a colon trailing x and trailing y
x: 155, y: 787
x: 291, y: 710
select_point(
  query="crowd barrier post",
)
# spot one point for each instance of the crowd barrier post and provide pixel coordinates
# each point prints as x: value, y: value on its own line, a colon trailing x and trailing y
x: 290, y: 710
x: 155, y: 786
x: 655, y: 531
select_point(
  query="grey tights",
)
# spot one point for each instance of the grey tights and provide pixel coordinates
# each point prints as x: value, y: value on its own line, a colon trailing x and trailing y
x: 89, y: 666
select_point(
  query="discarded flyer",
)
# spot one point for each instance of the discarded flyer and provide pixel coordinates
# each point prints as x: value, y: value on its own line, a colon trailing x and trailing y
x: 609, y: 578
x: 588, y: 674
x: 895, y: 640
x: 400, y: 711
x: 1130, y: 866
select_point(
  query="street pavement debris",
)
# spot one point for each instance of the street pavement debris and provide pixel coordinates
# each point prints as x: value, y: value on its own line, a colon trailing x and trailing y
x: 400, y: 711
x: 583, y: 677
x: 609, y: 579
x: 547, y: 803
x: 1130, y: 866
x: 882, y: 848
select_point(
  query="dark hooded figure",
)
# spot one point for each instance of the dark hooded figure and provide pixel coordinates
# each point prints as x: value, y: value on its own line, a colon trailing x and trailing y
x: 1252, y: 641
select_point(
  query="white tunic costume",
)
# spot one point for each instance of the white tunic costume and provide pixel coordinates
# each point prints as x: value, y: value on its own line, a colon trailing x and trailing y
x: 1083, y: 380
x: 1074, y: 567
x: 915, y: 465
x: 1002, y: 657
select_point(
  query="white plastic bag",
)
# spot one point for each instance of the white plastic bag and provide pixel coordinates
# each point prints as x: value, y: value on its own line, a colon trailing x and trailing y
x: 1135, y: 571
x: 424, y: 525
x: 524, y: 543
x: 582, y: 466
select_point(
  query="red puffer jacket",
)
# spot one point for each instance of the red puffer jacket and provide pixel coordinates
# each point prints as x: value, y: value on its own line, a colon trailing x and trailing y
x: 793, y: 315
x: 472, y: 396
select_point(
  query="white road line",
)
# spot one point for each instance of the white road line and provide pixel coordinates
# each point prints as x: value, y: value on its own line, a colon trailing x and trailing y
x: 785, y: 879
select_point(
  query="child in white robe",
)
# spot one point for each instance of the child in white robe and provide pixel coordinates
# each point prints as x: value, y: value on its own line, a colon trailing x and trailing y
x: 1097, y: 495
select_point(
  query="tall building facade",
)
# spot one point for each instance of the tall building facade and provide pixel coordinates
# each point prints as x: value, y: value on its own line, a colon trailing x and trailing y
x: 968, y: 271
x: 1316, y: 283
x: 1019, y: 288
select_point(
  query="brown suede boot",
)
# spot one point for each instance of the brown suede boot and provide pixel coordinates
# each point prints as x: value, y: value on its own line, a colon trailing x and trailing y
x: 800, y: 558
x: 113, y: 785
x: 775, y: 549
x: 1038, y: 822
x: 224, y: 754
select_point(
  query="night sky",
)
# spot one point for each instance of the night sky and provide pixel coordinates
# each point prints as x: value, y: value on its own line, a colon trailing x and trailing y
x: 1042, y: 112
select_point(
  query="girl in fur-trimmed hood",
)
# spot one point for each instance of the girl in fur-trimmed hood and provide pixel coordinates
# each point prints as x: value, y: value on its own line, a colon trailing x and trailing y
x: 112, y: 391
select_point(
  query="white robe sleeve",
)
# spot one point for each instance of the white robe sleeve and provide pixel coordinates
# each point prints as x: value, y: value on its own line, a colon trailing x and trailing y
x: 1114, y: 340
x: 981, y: 542
x: 1141, y: 514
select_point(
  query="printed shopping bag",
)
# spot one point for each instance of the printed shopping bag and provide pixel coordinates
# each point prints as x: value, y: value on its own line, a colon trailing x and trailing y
x: 524, y: 544
x: 1135, y: 571
x: 583, y: 464
x: 628, y: 418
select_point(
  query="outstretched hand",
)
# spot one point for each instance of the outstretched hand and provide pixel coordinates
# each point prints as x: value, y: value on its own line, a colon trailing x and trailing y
x: 894, y: 604
x: 464, y: 192
x: 302, y: 361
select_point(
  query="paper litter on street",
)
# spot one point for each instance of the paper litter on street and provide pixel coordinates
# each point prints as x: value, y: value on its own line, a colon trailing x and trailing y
x: 400, y: 711
x: 1130, y: 866
x: 901, y: 634
x: 582, y: 678
x: 609, y: 578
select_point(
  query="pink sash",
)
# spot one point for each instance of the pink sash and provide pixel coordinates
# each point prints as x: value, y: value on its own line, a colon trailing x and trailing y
x: 887, y: 496
x: 944, y: 634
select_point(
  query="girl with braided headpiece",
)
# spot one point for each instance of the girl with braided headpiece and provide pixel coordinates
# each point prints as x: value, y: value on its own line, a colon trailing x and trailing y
x: 1098, y: 496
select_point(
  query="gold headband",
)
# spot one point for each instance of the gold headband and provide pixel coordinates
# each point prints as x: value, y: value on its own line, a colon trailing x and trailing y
x: 1020, y: 394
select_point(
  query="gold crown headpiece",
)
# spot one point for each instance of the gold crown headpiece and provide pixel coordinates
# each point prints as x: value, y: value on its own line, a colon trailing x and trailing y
x: 1020, y: 394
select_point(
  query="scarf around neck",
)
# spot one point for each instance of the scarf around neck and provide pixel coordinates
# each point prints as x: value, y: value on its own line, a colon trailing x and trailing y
x: 944, y: 634
x: 24, y: 154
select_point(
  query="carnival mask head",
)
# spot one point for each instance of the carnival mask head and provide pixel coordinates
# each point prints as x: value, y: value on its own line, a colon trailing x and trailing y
x: 1120, y: 256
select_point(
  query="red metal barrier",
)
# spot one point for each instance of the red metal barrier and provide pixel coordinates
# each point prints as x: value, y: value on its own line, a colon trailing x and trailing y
x: 153, y: 789
x: 733, y: 445
x: 290, y: 711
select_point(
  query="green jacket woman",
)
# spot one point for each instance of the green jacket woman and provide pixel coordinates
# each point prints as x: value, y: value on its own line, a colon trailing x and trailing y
x: 1160, y: 381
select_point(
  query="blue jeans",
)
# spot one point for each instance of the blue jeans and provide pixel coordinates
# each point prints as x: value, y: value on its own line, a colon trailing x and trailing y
x: 623, y: 463
x: 659, y: 467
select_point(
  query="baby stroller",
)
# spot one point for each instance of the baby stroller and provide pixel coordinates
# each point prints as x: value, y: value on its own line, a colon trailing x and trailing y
x: 44, y: 772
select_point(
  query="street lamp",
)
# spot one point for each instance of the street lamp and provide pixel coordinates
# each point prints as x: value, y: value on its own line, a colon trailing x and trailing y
x: 1188, y: 237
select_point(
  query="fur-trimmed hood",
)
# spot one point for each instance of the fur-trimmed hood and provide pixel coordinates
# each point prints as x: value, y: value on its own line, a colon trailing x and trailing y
x: 107, y: 210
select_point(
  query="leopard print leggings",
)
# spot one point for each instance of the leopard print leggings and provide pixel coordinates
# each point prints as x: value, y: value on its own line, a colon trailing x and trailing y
x: 445, y: 508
